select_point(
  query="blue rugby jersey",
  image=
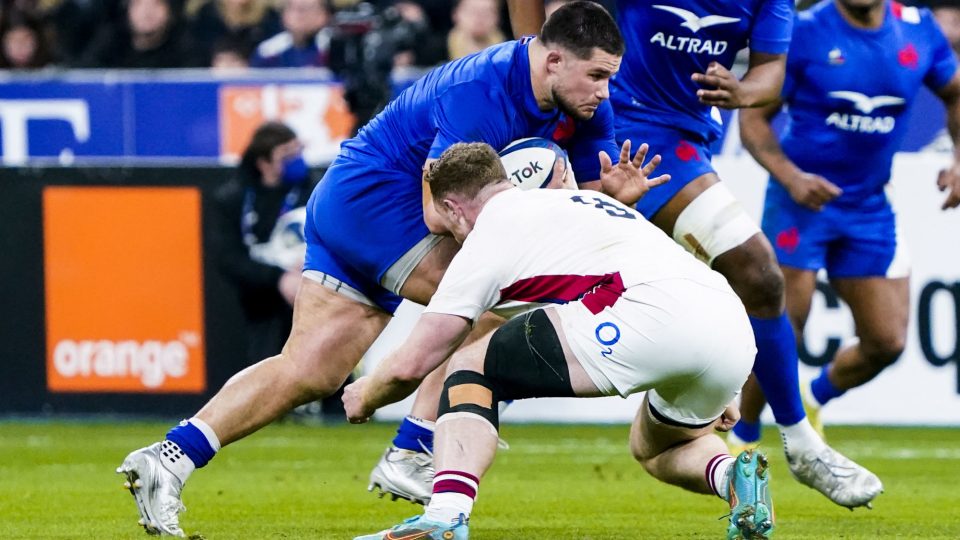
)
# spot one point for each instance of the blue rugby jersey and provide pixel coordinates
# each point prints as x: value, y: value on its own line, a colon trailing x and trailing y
x: 485, y: 97
x: 848, y: 92
x: 669, y: 40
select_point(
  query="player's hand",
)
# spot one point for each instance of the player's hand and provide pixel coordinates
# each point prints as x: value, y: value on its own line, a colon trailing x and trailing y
x: 562, y: 177
x: 629, y: 180
x: 812, y: 190
x: 289, y: 284
x: 722, y: 87
x: 729, y: 418
x: 353, y: 405
x: 949, y: 180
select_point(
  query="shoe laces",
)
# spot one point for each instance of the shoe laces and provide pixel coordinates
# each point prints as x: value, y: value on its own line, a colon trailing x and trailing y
x: 834, y: 461
x: 426, y: 450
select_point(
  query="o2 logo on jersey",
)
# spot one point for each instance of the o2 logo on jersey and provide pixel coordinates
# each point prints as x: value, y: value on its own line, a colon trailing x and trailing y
x: 608, y: 334
x: 694, y: 23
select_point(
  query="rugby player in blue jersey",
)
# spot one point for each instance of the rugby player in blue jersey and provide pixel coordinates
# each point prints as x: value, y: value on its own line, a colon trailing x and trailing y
x: 853, y: 71
x: 675, y: 72
x: 368, y: 245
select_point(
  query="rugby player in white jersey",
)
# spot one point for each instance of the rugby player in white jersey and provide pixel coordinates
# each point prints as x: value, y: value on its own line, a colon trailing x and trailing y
x: 631, y: 313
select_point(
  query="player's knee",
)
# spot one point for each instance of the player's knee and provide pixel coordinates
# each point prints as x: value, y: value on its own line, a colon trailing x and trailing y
x: 470, y: 392
x: 753, y: 272
x: 761, y: 288
x: 883, y: 351
x: 645, y: 456
x: 640, y: 447
x: 306, y: 381
x: 640, y: 451
x: 311, y: 386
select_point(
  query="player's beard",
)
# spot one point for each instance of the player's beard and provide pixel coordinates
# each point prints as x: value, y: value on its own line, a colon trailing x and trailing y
x: 860, y: 9
x: 569, y: 109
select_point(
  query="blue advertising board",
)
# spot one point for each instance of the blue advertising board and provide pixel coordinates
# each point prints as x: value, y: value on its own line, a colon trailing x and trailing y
x: 195, y: 117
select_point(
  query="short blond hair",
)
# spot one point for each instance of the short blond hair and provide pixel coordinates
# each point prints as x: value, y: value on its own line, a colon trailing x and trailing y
x: 465, y: 168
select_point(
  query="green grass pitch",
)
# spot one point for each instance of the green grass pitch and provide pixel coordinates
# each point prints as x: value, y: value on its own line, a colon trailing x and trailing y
x: 559, y: 482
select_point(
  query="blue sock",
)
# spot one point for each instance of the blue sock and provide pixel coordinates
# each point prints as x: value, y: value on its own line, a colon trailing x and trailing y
x: 193, y: 443
x: 823, y: 390
x: 776, y: 368
x: 413, y: 434
x: 747, y: 431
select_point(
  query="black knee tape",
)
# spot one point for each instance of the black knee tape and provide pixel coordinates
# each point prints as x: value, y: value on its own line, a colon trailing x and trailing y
x: 525, y: 359
x: 458, y: 391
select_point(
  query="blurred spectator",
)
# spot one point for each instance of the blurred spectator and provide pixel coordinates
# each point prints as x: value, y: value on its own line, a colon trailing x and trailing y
x: 77, y: 21
x: 246, y: 22
x: 476, y: 26
x: 437, y: 13
x: 947, y: 14
x: 151, y: 37
x: 230, y: 54
x: 424, y: 47
x: 24, y: 43
x: 303, y: 41
x: 263, y: 263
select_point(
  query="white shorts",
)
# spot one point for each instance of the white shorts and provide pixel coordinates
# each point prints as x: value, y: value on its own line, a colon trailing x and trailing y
x: 688, y: 342
x: 713, y: 224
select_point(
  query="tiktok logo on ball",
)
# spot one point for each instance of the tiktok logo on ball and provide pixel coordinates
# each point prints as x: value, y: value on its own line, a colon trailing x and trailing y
x: 524, y: 173
x: 607, y: 334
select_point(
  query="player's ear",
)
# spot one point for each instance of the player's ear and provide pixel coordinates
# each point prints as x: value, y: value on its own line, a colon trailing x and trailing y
x: 450, y: 207
x: 554, y: 60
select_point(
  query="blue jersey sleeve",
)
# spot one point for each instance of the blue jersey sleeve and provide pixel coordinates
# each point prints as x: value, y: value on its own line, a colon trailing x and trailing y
x: 944, y: 63
x: 803, y: 32
x: 469, y: 112
x: 589, y: 139
x: 772, y: 27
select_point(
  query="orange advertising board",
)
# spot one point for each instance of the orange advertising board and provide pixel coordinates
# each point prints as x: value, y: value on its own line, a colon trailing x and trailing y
x: 124, y: 289
x: 318, y: 113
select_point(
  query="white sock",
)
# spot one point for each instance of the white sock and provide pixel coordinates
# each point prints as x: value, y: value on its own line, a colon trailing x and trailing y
x: 207, y: 432
x: 800, y: 438
x: 718, y: 475
x: 447, y: 507
x: 174, y: 460
x: 425, y: 424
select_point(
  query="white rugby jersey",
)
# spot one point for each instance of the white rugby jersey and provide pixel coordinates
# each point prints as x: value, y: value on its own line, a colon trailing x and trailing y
x: 558, y: 246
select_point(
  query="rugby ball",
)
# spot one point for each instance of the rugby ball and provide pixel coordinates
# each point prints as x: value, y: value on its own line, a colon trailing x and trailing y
x: 531, y: 163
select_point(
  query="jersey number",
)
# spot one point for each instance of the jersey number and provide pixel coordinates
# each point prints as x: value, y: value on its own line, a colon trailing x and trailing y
x: 610, y: 208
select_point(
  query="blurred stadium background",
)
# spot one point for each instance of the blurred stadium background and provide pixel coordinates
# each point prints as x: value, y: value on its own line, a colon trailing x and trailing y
x: 113, y: 306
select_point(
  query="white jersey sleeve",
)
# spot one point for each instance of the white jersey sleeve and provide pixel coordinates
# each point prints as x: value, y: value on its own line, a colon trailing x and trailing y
x: 471, y: 285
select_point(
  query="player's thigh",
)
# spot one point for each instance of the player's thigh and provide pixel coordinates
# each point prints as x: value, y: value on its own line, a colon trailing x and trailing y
x: 752, y: 271
x: 650, y: 436
x: 528, y: 357
x: 869, y: 268
x: 880, y: 308
x: 471, y: 354
x: 419, y: 284
x: 800, y: 237
x: 365, y: 228
x: 330, y: 334
x: 870, y: 244
x: 712, y: 225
